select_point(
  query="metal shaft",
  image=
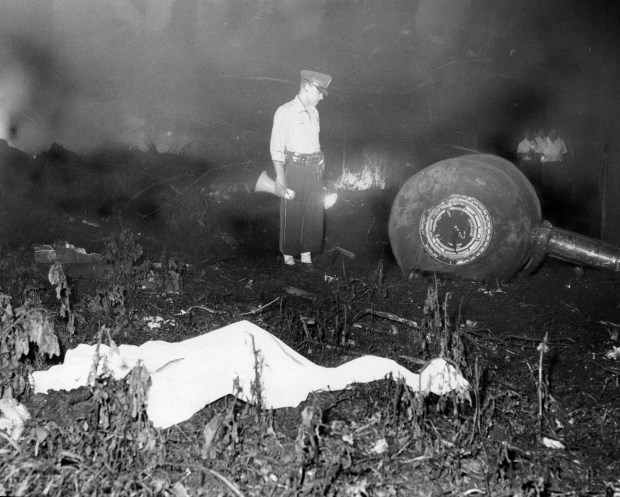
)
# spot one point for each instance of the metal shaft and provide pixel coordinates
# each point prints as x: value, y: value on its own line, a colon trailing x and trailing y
x: 572, y: 247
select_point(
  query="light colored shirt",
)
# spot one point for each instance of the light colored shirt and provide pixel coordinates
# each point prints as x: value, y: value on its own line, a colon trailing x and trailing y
x: 553, y: 151
x: 525, y: 148
x: 295, y: 129
x: 539, y: 140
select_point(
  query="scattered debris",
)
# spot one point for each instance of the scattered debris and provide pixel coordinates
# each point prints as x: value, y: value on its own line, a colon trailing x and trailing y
x: 260, y: 309
x: 88, y: 222
x: 298, y: 292
x: 614, y: 332
x: 14, y: 415
x: 614, y: 353
x: 44, y: 254
x: 344, y: 252
x: 380, y: 446
x: 552, y: 444
x: 578, y: 272
x: 66, y: 253
x: 491, y: 292
x: 156, y: 322
x: 385, y: 315
x: 201, y: 307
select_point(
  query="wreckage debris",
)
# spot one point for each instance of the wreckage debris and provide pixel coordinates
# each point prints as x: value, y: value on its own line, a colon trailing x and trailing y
x: 65, y: 253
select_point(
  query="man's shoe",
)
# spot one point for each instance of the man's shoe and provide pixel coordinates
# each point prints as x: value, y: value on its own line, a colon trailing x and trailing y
x: 289, y: 260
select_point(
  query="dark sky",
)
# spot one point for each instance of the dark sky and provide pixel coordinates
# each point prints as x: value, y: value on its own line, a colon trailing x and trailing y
x: 176, y: 72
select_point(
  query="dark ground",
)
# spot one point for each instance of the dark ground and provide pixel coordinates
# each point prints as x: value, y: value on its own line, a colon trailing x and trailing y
x: 226, y: 239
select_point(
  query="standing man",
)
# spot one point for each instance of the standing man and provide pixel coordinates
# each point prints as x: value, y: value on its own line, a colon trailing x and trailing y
x: 553, y: 148
x: 526, y: 153
x: 540, y: 138
x: 299, y: 164
x: 556, y: 179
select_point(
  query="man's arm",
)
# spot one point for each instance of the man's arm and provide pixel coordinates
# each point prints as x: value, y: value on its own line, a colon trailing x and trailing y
x: 280, y: 178
x: 276, y: 147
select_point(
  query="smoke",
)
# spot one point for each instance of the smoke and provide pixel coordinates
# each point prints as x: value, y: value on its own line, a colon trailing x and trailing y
x: 142, y: 73
x: 15, y: 87
x: 146, y: 73
x: 207, y: 75
x: 26, y: 88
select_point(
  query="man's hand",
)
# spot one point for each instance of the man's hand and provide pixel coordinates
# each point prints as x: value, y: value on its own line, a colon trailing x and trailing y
x: 280, y: 179
x: 280, y: 186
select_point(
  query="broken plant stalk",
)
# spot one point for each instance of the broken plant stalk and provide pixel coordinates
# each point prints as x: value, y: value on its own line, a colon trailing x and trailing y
x: 208, y: 309
x: 543, y: 348
x: 385, y: 315
x: 260, y: 309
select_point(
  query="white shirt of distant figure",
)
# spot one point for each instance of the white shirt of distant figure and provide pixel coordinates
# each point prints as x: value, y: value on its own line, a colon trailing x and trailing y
x: 553, y: 148
x: 526, y: 147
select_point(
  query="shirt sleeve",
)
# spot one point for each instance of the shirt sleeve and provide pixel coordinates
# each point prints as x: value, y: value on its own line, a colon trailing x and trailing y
x: 278, y: 135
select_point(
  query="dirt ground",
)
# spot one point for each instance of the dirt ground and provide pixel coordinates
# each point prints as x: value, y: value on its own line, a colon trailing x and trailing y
x: 222, y: 238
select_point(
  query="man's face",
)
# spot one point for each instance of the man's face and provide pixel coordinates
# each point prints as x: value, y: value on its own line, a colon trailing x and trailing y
x: 313, y: 95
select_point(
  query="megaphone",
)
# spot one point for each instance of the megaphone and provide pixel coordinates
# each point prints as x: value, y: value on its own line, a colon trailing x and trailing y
x: 266, y: 184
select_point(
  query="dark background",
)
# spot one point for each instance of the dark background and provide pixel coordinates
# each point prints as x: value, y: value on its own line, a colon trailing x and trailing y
x: 419, y: 80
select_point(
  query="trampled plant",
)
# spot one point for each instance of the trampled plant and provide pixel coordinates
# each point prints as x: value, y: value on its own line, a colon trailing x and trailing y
x: 57, y: 277
x: 441, y: 337
x: 113, y: 450
x: 128, y: 270
x: 26, y: 334
x: 125, y: 255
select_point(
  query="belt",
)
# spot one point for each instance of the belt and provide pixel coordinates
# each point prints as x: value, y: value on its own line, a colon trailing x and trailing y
x: 304, y: 159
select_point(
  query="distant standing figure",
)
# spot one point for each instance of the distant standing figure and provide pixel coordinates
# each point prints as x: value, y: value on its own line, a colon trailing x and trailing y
x: 555, y: 176
x: 540, y: 139
x: 554, y: 148
x: 528, y: 160
x: 299, y: 164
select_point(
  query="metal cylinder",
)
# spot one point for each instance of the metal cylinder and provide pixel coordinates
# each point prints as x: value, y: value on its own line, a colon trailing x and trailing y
x: 581, y: 249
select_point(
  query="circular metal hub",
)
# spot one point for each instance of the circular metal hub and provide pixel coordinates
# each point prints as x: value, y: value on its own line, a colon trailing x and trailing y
x: 456, y: 231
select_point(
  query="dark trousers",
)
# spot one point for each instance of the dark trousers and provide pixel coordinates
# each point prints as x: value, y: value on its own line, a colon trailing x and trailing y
x: 301, y: 219
x: 556, y: 179
x: 531, y: 169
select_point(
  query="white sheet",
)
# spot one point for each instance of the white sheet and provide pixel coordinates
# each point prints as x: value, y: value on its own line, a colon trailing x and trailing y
x: 187, y: 375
